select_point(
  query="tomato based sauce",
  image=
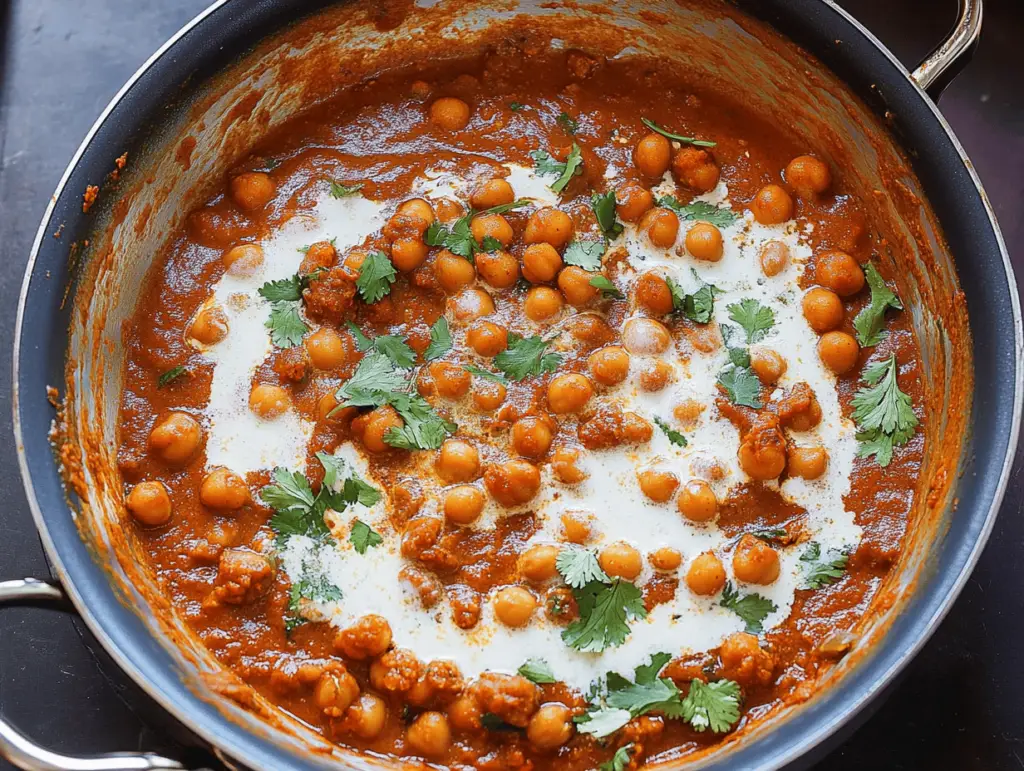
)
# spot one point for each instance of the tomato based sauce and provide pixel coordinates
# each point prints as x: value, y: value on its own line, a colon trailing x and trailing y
x: 484, y: 396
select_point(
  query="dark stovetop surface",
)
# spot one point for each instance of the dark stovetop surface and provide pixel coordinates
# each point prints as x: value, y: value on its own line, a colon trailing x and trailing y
x: 959, y: 706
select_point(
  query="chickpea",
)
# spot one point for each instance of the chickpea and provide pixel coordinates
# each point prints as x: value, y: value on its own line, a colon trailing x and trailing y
x: 418, y: 208
x: 767, y: 364
x: 569, y: 393
x: 807, y: 462
x: 488, y: 396
x: 549, y: 226
x: 512, y: 483
x: 695, y: 168
x: 499, y: 269
x: 808, y: 176
x: 243, y: 260
x: 636, y: 429
x: 542, y: 303
x: 620, y: 560
x: 375, y: 426
x: 839, y: 351
x: 473, y: 304
x: 326, y: 349
x: 209, y: 326
x: 807, y: 419
x: 609, y: 365
x: 652, y: 155
x: 537, y: 564
x: 666, y: 559
x: 429, y: 735
x: 320, y: 254
x: 823, y: 309
x: 532, y: 436
x: 365, y: 638
x: 457, y: 461
x: 652, y: 293
x: 658, y: 485
x: 761, y: 462
x: 367, y: 716
x: 176, y: 438
x: 575, y: 285
x: 327, y: 404
x: 645, y: 336
x: 335, y: 691
x: 407, y: 254
x: 704, y: 242
x: 774, y: 258
x: 448, y: 209
x: 493, y: 225
x: 772, y: 205
x: 697, y: 501
x: 269, y: 401
x: 490, y: 193
x: 450, y: 380
x: 550, y: 727
x: 839, y: 272
x: 576, y: 527
x: 149, y: 503
x: 452, y: 272
x: 541, y: 263
x: 688, y: 412
x: 564, y: 462
x: 252, y: 190
x: 223, y: 491
x: 513, y: 605
x: 465, y: 713
x: 661, y: 226
x: 632, y: 201
x: 706, y: 575
x: 449, y: 113
x: 487, y: 338
x: 655, y: 376
x: 352, y: 263
x: 754, y: 561
x: 464, y: 504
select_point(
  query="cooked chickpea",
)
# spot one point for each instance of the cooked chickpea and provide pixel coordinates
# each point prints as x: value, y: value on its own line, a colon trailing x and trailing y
x: 761, y: 462
x: 767, y: 364
x: 376, y: 425
x: 532, y: 436
x: 453, y: 273
x: 655, y: 375
x: 772, y: 205
x: 807, y: 419
x: 645, y: 336
x: 609, y: 365
x: 706, y: 575
x: 576, y: 527
x: 176, y: 438
x: 488, y: 396
x: 636, y: 429
x: 808, y: 176
x: 464, y: 504
x: 366, y: 718
x: 407, y: 254
x: 550, y: 727
x: 549, y: 226
x: 449, y: 113
x: 755, y: 562
x: 839, y: 272
x: 807, y: 462
x: 661, y: 226
x: 448, y: 209
x: 487, y: 338
x: 695, y: 168
x: 575, y: 285
x: 839, y: 351
x: 542, y: 303
x: 688, y: 412
x: 269, y: 401
x: 666, y: 559
x: 429, y: 735
x: 327, y: 404
x: 564, y: 462
x: 458, y: 461
x: 499, y: 269
x: 418, y: 208
x: 697, y: 501
x: 252, y: 190
x: 465, y: 713
x: 541, y: 263
x: 657, y: 484
x: 450, y: 380
x: 537, y: 563
x: 620, y: 560
x: 352, y: 263
x: 149, y: 503
x: 704, y: 242
x: 569, y: 393
x: 632, y: 201
x: 774, y: 258
x: 513, y: 605
x: 652, y: 293
x: 490, y: 193
x: 335, y: 691
x: 209, y: 326
x: 823, y: 309
x: 473, y: 304
x: 223, y: 490
x: 493, y: 225
x: 243, y: 260
x: 326, y: 349
x: 365, y: 638
x: 652, y: 155
x: 512, y: 483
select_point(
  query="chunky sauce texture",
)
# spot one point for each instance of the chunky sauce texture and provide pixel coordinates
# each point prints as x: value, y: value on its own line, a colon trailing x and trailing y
x: 466, y: 528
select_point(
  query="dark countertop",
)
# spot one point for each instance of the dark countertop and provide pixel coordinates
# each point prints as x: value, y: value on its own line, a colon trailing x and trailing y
x: 960, y: 703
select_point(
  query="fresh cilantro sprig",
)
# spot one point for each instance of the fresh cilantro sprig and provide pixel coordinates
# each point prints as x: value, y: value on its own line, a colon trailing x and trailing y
x: 440, y: 340
x: 820, y: 572
x: 393, y: 347
x: 584, y: 254
x: 526, y: 356
x: 486, y: 374
x: 884, y: 414
x: 607, y: 288
x: 353, y: 488
x: 712, y: 705
x: 605, y: 613
x: 620, y: 760
x: 168, y: 377
x: 458, y: 239
x: 546, y: 165
x: 741, y: 386
x: 675, y: 437
x: 289, y: 289
x: 537, y: 671
x: 699, y: 306
x: 871, y: 320
x: 677, y: 137
x: 719, y: 216
x: 568, y: 123
x: 579, y: 567
x: 363, y: 537
x: 341, y: 190
x: 752, y: 608
x: 603, y: 205
x: 312, y: 586
x: 285, y: 324
x: 376, y: 275
x: 756, y: 319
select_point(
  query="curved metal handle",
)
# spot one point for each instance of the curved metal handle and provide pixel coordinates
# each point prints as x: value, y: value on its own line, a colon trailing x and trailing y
x: 27, y: 755
x: 951, y: 55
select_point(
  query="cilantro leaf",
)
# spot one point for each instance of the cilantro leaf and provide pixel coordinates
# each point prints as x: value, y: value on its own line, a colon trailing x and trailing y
x: 490, y: 244
x: 312, y: 586
x: 712, y: 705
x: 372, y: 383
x: 537, y: 671
x: 396, y: 349
x: 770, y: 534
x: 354, y: 490
x: 579, y: 567
x: 376, y: 275
x: 756, y: 319
x: 516, y: 106
x: 360, y: 491
x: 363, y: 537
x: 285, y: 324
x: 545, y: 164
x: 871, y: 320
x: 620, y: 760
x: 424, y: 429
x: 298, y: 511
x: 698, y: 306
x: 675, y: 437
x: 486, y: 374
x: 719, y: 216
x: 741, y: 385
x: 602, y: 722
x: 290, y: 490
x: 884, y: 414
x: 526, y: 356
x: 584, y: 254
x: 282, y: 289
x: 459, y: 238
x: 168, y: 377
x: 604, y: 211
x: 341, y: 190
x: 363, y: 343
x: 608, y: 289
x: 605, y: 611
x: 567, y: 123
x: 819, y: 572
x: 625, y: 699
x: 648, y: 673
x: 752, y: 608
x: 678, y: 137
x: 440, y: 340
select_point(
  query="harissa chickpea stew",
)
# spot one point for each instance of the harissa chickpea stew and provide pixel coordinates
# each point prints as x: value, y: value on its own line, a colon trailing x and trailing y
x: 525, y: 409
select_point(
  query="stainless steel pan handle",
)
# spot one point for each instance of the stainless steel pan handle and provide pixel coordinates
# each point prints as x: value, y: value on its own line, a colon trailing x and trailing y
x: 952, y: 54
x: 26, y: 754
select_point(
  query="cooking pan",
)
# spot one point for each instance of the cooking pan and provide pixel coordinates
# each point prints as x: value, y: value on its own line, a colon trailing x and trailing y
x: 88, y: 261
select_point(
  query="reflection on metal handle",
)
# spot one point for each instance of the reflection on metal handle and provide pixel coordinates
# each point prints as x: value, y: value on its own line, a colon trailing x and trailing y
x: 27, y: 755
x: 952, y: 54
